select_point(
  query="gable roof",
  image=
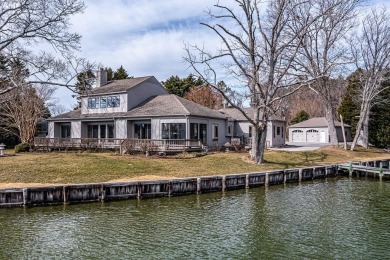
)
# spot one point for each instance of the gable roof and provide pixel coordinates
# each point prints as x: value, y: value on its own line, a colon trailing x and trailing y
x: 118, y: 86
x: 317, y: 122
x: 236, y: 114
x: 162, y: 105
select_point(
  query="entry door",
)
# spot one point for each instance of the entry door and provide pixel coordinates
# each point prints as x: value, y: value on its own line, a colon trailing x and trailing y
x: 203, y: 133
x: 322, y: 137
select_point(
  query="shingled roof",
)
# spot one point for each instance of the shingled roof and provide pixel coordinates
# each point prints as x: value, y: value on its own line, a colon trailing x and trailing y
x: 162, y: 105
x: 118, y: 86
x: 236, y: 114
x: 316, y: 122
x: 166, y: 105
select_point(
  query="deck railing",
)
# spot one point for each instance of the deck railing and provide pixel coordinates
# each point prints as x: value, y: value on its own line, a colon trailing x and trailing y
x: 58, y: 142
x: 160, y: 144
x: 122, y: 144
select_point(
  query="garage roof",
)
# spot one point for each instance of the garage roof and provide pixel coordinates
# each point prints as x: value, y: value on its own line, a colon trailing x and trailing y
x: 316, y: 122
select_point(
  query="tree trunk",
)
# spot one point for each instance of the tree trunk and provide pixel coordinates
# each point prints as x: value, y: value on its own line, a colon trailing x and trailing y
x: 361, y: 136
x: 330, y: 120
x: 259, y: 143
x: 343, y: 130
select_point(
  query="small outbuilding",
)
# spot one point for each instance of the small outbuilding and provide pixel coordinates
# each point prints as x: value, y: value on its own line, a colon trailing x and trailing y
x: 315, y: 130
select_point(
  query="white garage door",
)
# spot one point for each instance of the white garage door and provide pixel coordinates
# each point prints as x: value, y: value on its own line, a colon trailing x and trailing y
x: 298, y: 136
x: 312, y: 136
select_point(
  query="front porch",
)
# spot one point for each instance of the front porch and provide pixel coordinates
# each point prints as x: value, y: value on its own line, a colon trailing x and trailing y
x: 123, y: 145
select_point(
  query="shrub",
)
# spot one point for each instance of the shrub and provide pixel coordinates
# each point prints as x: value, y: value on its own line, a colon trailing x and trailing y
x: 23, y: 147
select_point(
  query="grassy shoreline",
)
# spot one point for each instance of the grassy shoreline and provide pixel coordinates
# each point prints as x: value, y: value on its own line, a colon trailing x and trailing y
x: 41, y: 169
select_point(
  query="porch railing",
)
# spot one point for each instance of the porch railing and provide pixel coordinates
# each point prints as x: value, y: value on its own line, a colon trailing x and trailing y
x: 122, y: 144
x: 58, y: 142
x: 160, y: 144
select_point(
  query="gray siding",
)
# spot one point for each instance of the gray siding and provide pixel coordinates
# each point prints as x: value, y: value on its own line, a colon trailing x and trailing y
x: 143, y: 91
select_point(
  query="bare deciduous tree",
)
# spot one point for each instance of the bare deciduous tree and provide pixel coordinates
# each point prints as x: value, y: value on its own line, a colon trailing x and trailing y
x: 21, y: 113
x: 371, y: 50
x: 324, y: 50
x: 258, y: 50
x: 205, y: 96
x: 27, y: 24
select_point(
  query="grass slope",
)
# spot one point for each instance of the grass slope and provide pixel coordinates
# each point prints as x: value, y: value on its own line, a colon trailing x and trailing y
x: 31, y: 169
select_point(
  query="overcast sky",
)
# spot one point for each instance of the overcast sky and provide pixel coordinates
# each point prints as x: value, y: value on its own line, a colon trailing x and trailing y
x: 146, y: 37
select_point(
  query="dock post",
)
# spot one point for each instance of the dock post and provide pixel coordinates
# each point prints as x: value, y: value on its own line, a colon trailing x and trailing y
x: 300, y: 175
x: 65, y: 194
x: 247, y: 181
x: 380, y: 170
x: 198, y: 185
x: 139, y: 191
x: 266, y: 179
x: 223, y: 182
x: 350, y: 169
x: 25, y: 196
x: 102, y: 193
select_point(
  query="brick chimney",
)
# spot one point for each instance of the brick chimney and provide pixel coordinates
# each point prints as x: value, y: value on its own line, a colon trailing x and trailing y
x: 101, y: 77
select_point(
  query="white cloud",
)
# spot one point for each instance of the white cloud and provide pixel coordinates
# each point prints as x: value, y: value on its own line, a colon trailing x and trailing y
x: 146, y: 37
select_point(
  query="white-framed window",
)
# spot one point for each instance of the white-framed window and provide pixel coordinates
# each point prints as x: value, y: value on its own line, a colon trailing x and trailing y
x: 113, y: 101
x: 214, y: 133
x: 93, y: 102
x: 103, y: 102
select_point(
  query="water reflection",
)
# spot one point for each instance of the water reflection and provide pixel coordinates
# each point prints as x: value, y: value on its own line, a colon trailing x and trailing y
x: 342, y: 218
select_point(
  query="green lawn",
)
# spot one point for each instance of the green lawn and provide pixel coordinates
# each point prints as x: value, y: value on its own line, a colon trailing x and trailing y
x: 27, y: 169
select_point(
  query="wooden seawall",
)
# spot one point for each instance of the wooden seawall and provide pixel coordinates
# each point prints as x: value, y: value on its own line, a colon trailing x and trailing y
x: 94, y: 192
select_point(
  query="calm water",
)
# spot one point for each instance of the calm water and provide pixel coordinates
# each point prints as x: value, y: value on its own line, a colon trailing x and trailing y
x: 332, y: 219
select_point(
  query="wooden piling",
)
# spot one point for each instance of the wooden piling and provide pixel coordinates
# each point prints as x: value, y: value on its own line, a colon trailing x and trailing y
x: 25, y: 196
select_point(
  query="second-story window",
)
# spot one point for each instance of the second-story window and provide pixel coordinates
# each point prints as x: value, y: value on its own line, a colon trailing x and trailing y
x: 103, y: 102
x: 93, y: 102
x: 113, y: 101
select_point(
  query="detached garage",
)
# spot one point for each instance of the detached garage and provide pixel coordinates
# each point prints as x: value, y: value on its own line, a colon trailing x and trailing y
x: 315, y: 130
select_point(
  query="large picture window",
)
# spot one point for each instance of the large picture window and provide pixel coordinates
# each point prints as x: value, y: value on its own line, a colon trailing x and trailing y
x: 101, y: 131
x: 143, y: 131
x: 173, y: 131
x: 65, y: 131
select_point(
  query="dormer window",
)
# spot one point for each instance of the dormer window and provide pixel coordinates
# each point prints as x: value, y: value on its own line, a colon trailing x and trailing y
x: 103, y: 102
x: 113, y: 101
x: 93, y: 102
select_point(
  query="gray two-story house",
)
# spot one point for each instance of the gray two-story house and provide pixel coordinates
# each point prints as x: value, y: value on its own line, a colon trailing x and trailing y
x: 141, y: 108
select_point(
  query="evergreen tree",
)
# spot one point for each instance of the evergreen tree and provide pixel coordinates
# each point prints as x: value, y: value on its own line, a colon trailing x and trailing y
x: 120, y: 73
x: 379, y: 130
x: 350, y: 107
x: 299, y: 117
x: 181, y: 87
x: 110, y: 73
x: 84, y: 83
